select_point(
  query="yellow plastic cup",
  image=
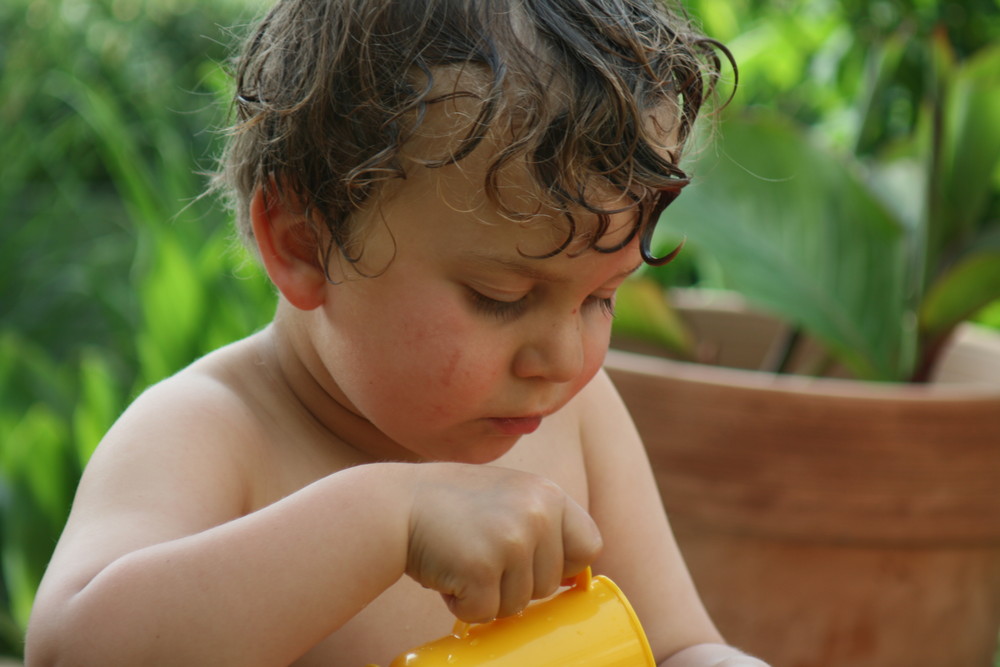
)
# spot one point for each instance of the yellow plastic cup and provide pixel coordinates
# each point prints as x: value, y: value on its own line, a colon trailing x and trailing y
x: 590, y: 624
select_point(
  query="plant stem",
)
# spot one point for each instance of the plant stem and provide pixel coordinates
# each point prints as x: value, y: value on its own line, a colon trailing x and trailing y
x: 780, y: 354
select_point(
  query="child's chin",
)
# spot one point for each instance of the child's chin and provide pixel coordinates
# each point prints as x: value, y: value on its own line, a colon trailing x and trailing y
x: 481, y: 453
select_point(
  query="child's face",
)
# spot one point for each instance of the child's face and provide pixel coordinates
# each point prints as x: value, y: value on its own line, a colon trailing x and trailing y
x: 462, y: 345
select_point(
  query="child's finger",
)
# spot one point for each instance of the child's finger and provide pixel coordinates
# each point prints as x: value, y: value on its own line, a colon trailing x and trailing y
x: 547, y: 568
x: 515, y: 591
x: 478, y: 605
x: 581, y: 539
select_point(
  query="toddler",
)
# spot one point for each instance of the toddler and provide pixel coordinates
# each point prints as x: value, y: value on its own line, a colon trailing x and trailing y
x: 446, y: 195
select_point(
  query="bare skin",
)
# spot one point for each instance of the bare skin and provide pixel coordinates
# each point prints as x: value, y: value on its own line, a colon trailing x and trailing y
x: 390, y: 453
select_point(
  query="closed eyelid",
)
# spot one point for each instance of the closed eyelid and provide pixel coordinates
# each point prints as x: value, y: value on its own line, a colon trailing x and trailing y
x: 504, y: 310
x: 517, y: 267
x: 496, y: 290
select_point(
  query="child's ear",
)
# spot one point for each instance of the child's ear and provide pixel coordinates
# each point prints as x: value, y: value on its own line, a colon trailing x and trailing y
x: 288, y: 248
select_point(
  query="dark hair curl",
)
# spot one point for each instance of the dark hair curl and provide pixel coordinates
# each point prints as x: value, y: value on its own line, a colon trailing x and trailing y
x: 328, y: 92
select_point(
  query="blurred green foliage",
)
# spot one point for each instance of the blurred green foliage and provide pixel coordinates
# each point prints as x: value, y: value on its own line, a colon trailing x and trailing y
x: 117, y: 273
x: 853, y: 185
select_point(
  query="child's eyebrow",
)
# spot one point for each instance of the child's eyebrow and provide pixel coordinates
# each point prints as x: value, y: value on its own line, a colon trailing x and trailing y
x: 534, y: 272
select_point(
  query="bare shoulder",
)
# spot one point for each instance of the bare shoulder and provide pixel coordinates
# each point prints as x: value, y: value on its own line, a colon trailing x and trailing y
x: 195, y: 419
x: 640, y: 553
x: 175, y: 463
x: 227, y: 429
x: 604, y: 419
x: 615, y: 458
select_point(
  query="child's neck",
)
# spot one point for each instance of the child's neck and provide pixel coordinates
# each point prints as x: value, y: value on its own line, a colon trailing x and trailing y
x: 294, y: 361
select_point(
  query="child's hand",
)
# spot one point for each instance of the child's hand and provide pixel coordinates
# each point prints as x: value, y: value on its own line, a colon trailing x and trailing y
x: 490, y: 539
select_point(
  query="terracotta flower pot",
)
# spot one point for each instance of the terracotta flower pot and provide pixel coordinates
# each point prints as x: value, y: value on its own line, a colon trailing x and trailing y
x: 832, y: 522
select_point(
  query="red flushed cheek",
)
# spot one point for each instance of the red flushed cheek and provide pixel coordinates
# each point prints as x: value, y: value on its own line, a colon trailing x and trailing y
x: 460, y: 388
x: 450, y: 366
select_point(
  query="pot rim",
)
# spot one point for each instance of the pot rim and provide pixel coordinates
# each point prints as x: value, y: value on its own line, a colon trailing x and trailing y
x: 645, y: 364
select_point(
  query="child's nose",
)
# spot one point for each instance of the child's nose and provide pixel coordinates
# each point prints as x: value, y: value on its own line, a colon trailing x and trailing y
x: 554, y: 351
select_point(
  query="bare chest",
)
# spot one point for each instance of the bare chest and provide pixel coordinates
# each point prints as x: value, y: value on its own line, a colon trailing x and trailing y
x: 406, y: 615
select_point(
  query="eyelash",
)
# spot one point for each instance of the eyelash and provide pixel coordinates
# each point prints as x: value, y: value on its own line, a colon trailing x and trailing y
x: 504, y: 310
x: 606, y: 304
x: 508, y: 310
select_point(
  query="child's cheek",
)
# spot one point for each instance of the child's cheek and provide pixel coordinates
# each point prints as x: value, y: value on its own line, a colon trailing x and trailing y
x: 465, y: 372
x: 593, y: 360
x: 448, y: 352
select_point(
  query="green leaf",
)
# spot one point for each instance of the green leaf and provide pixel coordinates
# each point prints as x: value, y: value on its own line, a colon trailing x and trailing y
x: 39, y: 477
x: 885, y: 59
x: 799, y: 234
x: 28, y: 374
x: 100, y: 402
x: 102, y: 111
x: 35, y: 455
x: 970, y: 285
x: 174, y: 307
x: 990, y: 315
x: 971, y: 145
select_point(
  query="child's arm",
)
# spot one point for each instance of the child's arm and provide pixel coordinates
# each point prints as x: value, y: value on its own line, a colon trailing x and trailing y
x: 157, y: 565
x: 640, y: 552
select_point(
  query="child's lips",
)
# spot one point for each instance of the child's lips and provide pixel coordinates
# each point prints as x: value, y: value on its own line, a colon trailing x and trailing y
x: 516, y: 425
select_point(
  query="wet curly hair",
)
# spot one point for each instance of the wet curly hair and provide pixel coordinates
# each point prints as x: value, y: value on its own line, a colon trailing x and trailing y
x: 328, y: 92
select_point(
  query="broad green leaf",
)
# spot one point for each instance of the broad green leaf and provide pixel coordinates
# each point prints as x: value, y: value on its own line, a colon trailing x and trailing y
x: 99, y: 404
x: 39, y: 477
x: 990, y: 315
x: 799, y: 234
x: 102, y: 110
x: 174, y: 307
x: 11, y: 634
x: 970, y: 285
x: 884, y: 64
x: 29, y: 373
x: 35, y: 454
x: 971, y: 145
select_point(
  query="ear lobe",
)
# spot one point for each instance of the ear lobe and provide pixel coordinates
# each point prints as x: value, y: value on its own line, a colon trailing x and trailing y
x: 288, y: 250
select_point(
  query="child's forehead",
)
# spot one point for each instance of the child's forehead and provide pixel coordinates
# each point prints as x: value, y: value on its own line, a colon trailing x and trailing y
x: 457, y: 94
x: 518, y: 188
x: 456, y: 193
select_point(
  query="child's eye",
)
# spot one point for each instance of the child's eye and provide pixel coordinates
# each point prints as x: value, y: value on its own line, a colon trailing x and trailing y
x: 504, y: 310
